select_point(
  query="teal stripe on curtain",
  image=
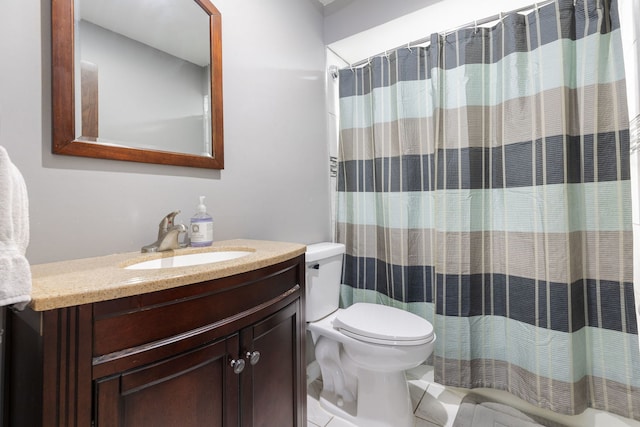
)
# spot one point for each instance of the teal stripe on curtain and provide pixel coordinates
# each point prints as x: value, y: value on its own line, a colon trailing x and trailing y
x: 484, y: 183
x: 481, y: 91
x: 466, y: 209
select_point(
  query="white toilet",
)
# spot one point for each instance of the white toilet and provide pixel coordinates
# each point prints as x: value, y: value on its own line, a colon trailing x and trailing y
x: 362, y: 350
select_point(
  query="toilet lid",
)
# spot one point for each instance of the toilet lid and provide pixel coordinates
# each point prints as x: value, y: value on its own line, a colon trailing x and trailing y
x: 381, y: 324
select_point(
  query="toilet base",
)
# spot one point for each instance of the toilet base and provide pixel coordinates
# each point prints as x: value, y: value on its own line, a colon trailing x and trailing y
x: 335, y: 406
x: 383, y: 401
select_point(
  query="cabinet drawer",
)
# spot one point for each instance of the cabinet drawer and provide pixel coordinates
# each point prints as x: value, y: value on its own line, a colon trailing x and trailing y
x: 214, y: 307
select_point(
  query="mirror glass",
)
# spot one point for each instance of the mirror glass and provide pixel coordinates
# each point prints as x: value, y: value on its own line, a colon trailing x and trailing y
x: 141, y: 81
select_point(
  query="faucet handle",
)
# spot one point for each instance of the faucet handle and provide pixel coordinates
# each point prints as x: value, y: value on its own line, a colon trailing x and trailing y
x: 166, y: 222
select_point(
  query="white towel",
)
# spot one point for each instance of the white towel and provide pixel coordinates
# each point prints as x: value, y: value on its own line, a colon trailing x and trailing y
x: 15, y: 273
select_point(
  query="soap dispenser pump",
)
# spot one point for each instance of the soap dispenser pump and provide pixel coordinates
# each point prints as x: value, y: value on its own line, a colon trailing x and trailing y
x: 201, y: 229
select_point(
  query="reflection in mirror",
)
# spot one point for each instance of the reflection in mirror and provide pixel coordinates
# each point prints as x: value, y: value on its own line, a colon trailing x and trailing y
x: 150, y: 90
x: 144, y: 88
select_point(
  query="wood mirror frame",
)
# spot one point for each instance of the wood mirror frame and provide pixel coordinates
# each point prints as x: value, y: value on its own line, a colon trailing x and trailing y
x: 64, y: 100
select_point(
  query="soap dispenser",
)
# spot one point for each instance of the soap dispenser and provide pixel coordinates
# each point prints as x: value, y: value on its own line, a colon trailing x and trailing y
x: 201, y: 229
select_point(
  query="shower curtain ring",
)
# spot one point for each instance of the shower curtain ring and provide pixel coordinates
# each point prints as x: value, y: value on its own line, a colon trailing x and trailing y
x: 333, y: 71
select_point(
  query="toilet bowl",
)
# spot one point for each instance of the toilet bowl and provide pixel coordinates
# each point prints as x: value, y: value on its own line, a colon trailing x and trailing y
x: 362, y: 350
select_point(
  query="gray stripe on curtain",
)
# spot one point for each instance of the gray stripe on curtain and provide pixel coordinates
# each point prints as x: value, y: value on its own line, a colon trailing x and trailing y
x: 510, y: 170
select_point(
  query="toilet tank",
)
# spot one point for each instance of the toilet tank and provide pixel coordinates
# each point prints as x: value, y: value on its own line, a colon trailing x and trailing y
x: 323, y: 274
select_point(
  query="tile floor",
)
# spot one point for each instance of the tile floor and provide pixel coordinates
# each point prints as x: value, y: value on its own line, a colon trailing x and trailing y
x: 434, y: 405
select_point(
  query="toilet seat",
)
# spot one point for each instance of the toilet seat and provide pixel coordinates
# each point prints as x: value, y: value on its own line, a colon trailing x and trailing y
x: 379, y: 324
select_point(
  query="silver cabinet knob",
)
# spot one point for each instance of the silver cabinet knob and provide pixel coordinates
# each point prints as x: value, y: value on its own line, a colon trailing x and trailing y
x: 253, y: 357
x: 237, y: 365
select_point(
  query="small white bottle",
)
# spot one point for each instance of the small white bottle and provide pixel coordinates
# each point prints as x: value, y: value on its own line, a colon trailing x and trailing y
x: 201, y: 230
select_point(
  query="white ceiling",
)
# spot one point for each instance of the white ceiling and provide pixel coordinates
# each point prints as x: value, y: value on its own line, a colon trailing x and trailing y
x: 178, y: 27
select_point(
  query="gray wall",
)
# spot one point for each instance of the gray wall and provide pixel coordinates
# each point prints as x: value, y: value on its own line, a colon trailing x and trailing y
x: 275, y: 184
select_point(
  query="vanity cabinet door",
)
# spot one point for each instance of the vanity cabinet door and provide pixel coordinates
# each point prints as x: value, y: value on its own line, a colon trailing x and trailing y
x: 193, y: 389
x: 270, y: 388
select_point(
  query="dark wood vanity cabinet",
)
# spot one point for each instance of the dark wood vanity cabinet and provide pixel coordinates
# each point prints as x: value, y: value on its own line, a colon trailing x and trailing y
x: 226, y: 352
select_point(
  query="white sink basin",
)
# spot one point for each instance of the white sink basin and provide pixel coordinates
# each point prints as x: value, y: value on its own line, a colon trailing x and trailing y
x: 188, y: 260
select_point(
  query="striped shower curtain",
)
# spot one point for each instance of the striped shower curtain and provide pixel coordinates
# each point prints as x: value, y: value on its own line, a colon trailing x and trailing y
x: 484, y: 184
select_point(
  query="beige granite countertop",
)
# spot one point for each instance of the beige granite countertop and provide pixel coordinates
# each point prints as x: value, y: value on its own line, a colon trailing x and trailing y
x: 82, y: 281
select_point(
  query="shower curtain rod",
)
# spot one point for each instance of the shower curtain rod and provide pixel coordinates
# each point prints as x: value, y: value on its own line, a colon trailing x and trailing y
x: 470, y: 24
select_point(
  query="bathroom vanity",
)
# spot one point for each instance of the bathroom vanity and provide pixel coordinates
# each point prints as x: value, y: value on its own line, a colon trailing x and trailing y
x: 217, y: 344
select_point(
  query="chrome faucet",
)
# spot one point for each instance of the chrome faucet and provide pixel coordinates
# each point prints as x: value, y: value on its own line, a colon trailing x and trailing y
x: 168, y: 233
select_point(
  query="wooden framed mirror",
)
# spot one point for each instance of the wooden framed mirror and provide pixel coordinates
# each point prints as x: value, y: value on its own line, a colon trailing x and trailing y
x: 127, y: 84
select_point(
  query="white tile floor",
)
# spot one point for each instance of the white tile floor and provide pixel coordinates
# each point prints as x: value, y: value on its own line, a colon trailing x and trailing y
x: 437, y: 406
x: 434, y: 405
